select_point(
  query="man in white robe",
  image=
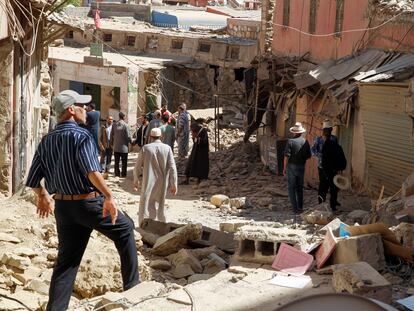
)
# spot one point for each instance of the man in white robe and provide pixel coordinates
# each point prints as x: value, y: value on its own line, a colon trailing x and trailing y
x: 157, y: 166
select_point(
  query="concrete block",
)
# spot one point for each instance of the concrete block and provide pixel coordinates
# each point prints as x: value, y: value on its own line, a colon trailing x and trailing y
x: 356, y: 216
x: 219, y: 199
x: 143, y: 291
x: 185, y: 256
x: 233, y: 225
x: 367, y: 247
x: 198, y: 277
x: 176, y: 239
x: 182, y: 271
x: 16, y: 261
x: 361, y: 279
x: 260, y: 244
x: 160, y: 264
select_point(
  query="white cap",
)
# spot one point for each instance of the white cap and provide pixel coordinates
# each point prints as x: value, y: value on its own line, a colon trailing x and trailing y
x: 155, y: 132
x: 327, y: 124
x: 67, y: 98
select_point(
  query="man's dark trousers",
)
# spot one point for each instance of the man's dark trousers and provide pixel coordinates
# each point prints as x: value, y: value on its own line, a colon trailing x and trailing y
x: 295, y: 176
x: 75, y: 221
x: 106, y: 158
x: 326, y: 183
x: 124, y: 160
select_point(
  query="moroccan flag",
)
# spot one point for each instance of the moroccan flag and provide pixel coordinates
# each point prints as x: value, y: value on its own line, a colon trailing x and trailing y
x: 97, y: 19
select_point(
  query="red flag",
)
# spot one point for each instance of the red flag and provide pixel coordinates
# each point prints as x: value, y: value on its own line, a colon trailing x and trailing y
x: 97, y: 19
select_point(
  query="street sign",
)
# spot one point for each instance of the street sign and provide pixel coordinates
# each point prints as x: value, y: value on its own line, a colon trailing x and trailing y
x: 96, y: 49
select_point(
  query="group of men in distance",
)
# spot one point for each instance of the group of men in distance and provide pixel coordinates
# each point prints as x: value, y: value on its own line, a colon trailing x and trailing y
x: 66, y: 160
x: 331, y: 163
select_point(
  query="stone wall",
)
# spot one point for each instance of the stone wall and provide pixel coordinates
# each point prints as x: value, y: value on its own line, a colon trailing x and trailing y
x: 243, y: 28
x: 6, y: 96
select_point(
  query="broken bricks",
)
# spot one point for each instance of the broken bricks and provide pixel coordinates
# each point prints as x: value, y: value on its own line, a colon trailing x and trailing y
x: 361, y: 279
x: 260, y: 244
x: 176, y: 239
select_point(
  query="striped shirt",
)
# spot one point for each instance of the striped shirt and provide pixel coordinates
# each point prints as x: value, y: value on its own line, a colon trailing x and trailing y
x: 64, y: 158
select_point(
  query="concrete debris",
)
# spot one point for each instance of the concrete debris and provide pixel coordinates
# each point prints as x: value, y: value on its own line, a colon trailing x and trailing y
x: 180, y: 296
x: 175, y: 240
x: 233, y: 225
x: 359, y: 216
x: 112, y: 301
x: 404, y: 233
x: 16, y: 261
x: 182, y: 271
x: 143, y: 290
x: 198, y: 277
x: 9, y: 238
x: 160, y: 264
x: 354, y: 249
x: 238, y: 202
x: 185, y: 256
x: 219, y: 199
x: 206, y: 251
x: 147, y: 237
x: 214, y: 265
x: 317, y: 217
x: 37, y: 286
x: 361, y: 279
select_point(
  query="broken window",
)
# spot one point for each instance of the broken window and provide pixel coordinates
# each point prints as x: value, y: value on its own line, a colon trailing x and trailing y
x: 152, y: 43
x: 177, y: 44
x: 69, y: 34
x: 233, y: 52
x: 107, y: 37
x: 204, y: 47
x: 312, y: 15
x: 239, y: 74
x: 286, y: 12
x: 339, y: 17
x: 131, y: 40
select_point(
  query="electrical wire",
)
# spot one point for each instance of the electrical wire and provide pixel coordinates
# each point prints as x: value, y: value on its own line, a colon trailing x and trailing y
x: 339, y: 32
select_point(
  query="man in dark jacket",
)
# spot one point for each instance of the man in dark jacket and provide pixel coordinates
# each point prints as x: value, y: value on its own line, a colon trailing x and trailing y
x: 297, y: 152
x: 142, y: 132
x: 198, y: 162
x: 104, y: 144
x: 120, y: 140
x: 333, y: 162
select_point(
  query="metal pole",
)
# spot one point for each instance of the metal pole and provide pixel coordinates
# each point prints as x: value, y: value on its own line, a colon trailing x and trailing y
x: 215, y: 123
x: 218, y: 122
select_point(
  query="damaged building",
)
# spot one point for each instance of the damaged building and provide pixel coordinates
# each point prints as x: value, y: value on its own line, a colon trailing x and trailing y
x: 164, y: 66
x: 352, y: 65
x: 25, y: 87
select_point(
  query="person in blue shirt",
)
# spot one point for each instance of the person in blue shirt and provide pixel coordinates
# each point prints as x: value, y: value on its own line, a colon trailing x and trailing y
x: 66, y: 160
x: 92, y: 123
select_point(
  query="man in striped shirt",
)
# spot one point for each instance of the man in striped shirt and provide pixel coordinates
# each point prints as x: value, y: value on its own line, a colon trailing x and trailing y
x: 66, y: 160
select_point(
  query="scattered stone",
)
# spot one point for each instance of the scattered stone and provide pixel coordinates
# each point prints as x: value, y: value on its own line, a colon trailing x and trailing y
x: 160, y: 264
x: 404, y: 233
x: 112, y: 301
x: 361, y: 279
x: 9, y: 238
x: 182, y: 271
x: 318, y: 217
x: 143, y: 291
x: 200, y: 253
x: 176, y: 239
x: 25, y: 251
x: 28, y: 274
x: 138, y: 240
x: 367, y: 247
x: 238, y: 202
x: 185, y: 256
x: 13, y: 260
x: 356, y: 216
x: 198, y: 277
x: 233, y: 225
x: 37, y: 286
x: 209, y: 206
x: 214, y: 265
x: 31, y: 300
x: 219, y: 199
x: 148, y: 237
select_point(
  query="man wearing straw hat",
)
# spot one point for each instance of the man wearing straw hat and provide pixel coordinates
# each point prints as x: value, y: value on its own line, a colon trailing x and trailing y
x: 297, y: 152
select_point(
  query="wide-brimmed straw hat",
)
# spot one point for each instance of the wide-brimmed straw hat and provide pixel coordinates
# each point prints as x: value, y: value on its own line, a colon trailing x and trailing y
x: 297, y: 128
x: 341, y: 182
x: 327, y: 124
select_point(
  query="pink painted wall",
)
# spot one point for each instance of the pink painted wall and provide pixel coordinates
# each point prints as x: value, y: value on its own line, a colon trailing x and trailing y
x: 395, y: 36
x: 290, y: 42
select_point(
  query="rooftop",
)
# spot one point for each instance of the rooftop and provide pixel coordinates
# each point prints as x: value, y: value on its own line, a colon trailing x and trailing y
x: 118, y: 59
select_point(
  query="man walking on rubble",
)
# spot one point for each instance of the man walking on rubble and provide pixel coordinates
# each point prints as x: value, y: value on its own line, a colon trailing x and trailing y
x: 156, y: 163
x: 331, y: 160
x: 105, y: 144
x: 120, y: 140
x: 183, y: 131
x: 297, y: 152
x: 66, y: 159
